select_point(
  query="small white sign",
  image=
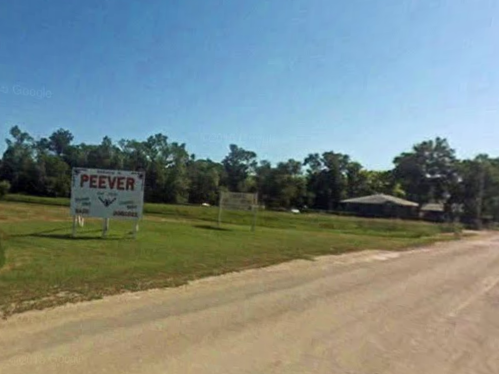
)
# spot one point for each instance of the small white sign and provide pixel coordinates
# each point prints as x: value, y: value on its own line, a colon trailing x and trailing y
x: 116, y: 194
x: 238, y: 200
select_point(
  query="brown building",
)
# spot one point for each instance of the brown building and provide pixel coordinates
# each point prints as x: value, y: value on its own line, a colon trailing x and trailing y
x: 434, y: 212
x: 381, y: 205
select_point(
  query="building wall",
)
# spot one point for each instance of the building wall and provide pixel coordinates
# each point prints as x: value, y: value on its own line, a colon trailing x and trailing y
x: 382, y: 210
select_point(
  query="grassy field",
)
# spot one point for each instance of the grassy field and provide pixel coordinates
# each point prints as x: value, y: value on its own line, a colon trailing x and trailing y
x: 41, y: 265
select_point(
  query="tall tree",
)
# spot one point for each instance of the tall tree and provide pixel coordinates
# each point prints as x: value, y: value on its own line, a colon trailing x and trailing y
x: 177, y: 175
x: 478, y: 192
x: 327, y: 178
x: 204, y: 177
x: 18, y: 165
x: 283, y: 186
x: 428, y: 172
x: 106, y: 155
x: 238, y: 165
x: 357, y: 180
x: 59, y: 141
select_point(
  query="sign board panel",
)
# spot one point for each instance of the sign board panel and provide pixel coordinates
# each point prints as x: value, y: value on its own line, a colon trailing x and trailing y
x: 238, y: 200
x: 100, y: 193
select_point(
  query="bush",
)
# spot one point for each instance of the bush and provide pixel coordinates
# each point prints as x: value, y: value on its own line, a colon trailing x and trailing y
x: 4, y: 188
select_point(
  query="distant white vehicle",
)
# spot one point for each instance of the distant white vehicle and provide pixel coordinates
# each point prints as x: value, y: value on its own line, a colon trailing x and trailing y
x: 295, y: 211
x: 205, y: 204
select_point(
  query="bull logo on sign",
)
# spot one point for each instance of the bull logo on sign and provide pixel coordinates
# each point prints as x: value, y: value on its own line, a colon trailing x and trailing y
x: 107, y: 202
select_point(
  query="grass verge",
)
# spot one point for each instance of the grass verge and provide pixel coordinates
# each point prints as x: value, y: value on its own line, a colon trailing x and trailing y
x: 2, y: 252
x: 44, y: 266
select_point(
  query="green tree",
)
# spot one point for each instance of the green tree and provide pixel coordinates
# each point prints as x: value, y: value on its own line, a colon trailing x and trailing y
x: 134, y: 154
x: 165, y: 165
x: 57, y: 176
x: 177, y: 175
x: 18, y: 163
x: 283, y: 186
x: 204, y: 177
x: 60, y: 141
x: 357, y: 180
x: 53, y: 172
x: 478, y: 192
x: 105, y: 155
x: 382, y: 182
x: 428, y: 172
x: 4, y: 188
x: 327, y: 179
x: 239, y: 164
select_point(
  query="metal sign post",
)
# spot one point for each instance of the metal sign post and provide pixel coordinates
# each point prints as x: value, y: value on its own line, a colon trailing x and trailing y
x: 220, y: 210
x: 135, y: 229
x: 74, y: 226
x: 255, y: 209
x: 105, y: 227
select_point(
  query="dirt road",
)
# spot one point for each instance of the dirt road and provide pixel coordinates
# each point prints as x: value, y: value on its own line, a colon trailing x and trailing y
x: 432, y: 311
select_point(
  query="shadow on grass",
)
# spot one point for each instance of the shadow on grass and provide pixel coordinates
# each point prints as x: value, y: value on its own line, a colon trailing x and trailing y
x: 210, y: 227
x: 70, y: 237
x: 40, y: 233
x: 52, y: 234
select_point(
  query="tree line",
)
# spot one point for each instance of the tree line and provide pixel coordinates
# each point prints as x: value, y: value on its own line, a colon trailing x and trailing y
x: 429, y: 172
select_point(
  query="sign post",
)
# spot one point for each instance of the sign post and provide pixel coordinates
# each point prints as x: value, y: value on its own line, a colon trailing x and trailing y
x: 107, y: 194
x: 75, y: 219
x: 238, y: 201
x: 220, y: 210
x: 105, y: 227
x: 255, y: 209
x: 135, y: 229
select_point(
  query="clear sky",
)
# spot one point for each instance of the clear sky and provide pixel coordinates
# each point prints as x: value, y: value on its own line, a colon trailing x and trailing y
x: 281, y: 77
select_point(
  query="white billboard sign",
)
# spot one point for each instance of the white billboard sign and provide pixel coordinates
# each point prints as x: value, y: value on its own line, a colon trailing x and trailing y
x: 107, y: 194
x: 238, y: 200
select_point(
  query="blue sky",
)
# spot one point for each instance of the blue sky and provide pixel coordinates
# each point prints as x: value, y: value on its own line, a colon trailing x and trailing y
x: 281, y: 77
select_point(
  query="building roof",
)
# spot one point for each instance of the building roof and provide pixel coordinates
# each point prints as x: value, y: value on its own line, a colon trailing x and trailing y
x: 379, y: 199
x: 432, y: 207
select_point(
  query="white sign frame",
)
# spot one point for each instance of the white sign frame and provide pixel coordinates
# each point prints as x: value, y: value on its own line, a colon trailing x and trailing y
x: 238, y: 201
x: 106, y: 194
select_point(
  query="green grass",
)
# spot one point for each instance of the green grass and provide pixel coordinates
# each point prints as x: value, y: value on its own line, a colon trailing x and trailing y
x: 44, y: 266
x: 2, y: 252
x: 312, y: 221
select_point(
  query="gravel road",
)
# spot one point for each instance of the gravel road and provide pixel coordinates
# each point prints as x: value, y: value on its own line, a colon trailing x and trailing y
x: 431, y: 310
